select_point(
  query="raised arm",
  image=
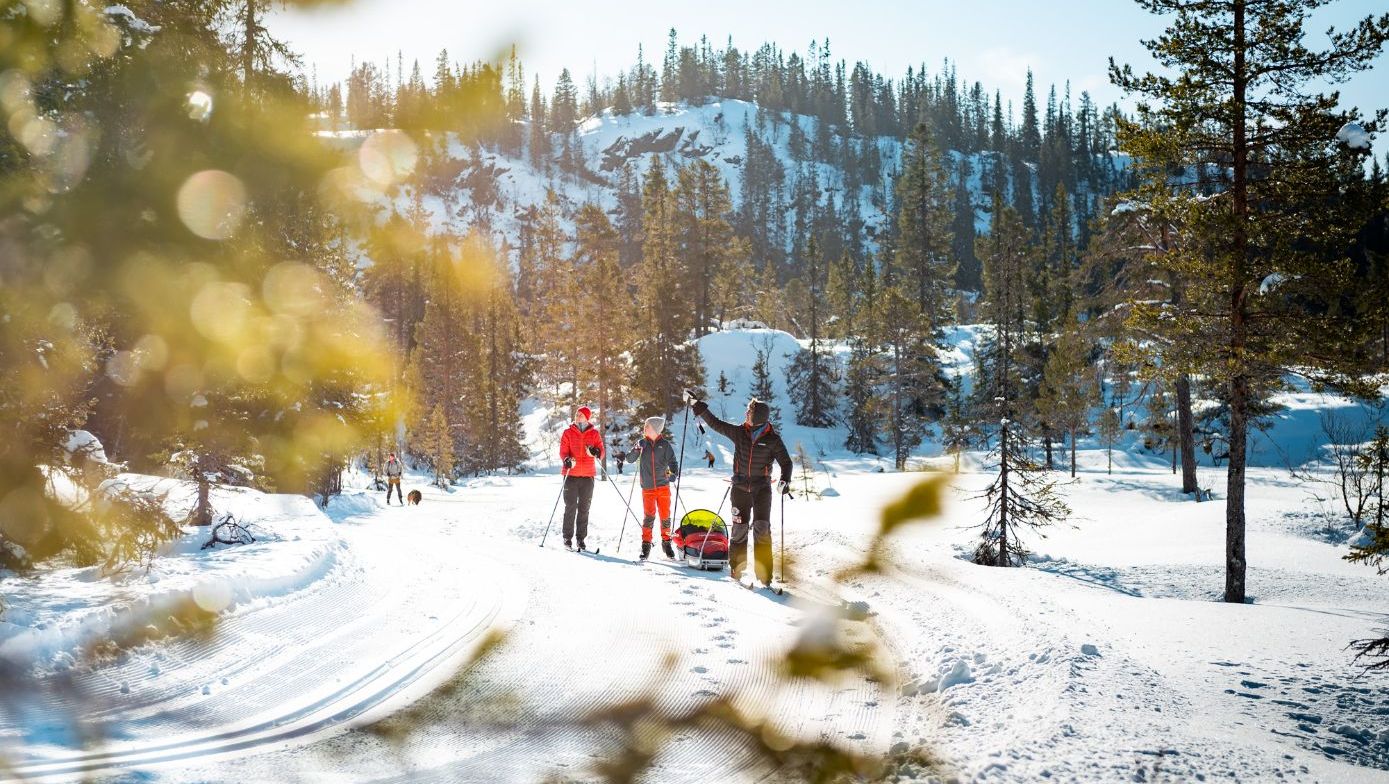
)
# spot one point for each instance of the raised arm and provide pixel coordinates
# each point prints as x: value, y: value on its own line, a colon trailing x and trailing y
x: 701, y: 410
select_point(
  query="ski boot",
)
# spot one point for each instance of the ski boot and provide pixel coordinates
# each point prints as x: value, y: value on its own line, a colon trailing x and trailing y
x: 645, y: 550
x: 582, y: 548
x: 568, y: 544
x: 667, y: 549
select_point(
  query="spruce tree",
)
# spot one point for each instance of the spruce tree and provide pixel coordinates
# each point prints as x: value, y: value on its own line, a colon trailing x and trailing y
x: 1240, y: 101
x: 864, y: 373
x: 439, y: 447
x: 1372, y: 546
x: 762, y: 388
x: 1109, y: 429
x: 812, y: 376
x: 912, y: 379
x: 925, y: 251
x: 1021, y: 495
x: 665, y: 362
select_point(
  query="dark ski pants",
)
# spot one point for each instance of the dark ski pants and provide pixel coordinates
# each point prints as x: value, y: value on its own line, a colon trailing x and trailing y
x: 393, y: 483
x: 752, y: 507
x: 578, y: 496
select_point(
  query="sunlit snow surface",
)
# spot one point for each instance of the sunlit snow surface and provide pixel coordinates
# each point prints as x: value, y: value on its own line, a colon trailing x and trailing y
x: 1109, y: 659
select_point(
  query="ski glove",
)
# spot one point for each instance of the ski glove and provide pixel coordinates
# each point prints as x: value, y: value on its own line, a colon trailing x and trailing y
x: 784, y: 486
x: 691, y: 396
x: 593, y: 451
x: 568, y: 463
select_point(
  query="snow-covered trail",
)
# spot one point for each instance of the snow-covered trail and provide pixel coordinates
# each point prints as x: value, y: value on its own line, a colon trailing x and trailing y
x: 377, y: 632
x: 597, y: 630
x: 415, y: 590
x: 1108, y: 659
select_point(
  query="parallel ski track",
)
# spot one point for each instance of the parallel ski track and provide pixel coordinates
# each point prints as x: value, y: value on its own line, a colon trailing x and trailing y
x: 260, y: 711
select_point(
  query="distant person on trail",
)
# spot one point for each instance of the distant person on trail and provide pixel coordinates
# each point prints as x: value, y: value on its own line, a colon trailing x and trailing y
x: 755, y: 447
x: 579, y: 448
x: 393, y: 472
x: 620, y: 457
x: 709, y: 457
x: 656, y: 465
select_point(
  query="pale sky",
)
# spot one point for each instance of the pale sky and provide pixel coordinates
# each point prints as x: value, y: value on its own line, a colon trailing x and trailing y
x: 993, y: 41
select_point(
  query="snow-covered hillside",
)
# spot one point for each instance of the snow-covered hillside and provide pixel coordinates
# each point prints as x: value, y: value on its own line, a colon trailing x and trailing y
x: 486, y: 186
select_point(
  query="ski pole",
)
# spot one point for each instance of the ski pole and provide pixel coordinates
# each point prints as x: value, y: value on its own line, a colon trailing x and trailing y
x: 684, y: 431
x: 626, y: 506
x: 564, y: 478
x: 782, y: 559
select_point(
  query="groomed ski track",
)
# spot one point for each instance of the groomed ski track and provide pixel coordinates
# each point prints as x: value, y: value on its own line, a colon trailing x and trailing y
x: 283, y: 690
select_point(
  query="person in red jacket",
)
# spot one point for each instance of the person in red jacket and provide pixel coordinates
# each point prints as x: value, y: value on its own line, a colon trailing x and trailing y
x: 580, y: 448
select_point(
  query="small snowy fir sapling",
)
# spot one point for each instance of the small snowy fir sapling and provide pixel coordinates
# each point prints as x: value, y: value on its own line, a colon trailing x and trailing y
x: 806, y: 476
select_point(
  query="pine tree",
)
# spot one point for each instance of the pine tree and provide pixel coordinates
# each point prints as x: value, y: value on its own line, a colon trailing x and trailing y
x: 564, y: 108
x: 812, y: 376
x: 706, y: 241
x: 539, y: 130
x: 762, y: 382
x: 601, y: 328
x: 914, y: 385
x: 1021, y: 495
x: 925, y: 211
x: 665, y: 363
x: 956, y: 430
x: 1372, y: 546
x: 1068, y: 389
x: 439, y: 447
x: 1110, y: 429
x: 1239, y: 100
x: 864, y: 373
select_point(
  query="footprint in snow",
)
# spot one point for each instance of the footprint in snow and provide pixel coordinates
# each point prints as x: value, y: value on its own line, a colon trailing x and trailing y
x: 700, y: 670
x: 704, y: 693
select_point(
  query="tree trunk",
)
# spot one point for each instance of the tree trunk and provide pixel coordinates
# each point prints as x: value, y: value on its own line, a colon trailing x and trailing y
x: 1046, y: 441
x: 1073, y: 454
x: 202, y: 513
x: 1239, y: 381
x: 248, y: 49
x: 1186, y: 433
x: 1002, y: 559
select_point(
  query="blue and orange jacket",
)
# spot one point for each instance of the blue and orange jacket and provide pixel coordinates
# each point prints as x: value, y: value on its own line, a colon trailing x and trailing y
x: 656, y: 460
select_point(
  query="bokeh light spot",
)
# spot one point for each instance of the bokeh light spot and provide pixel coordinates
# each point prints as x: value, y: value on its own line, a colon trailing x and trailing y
x: 387, y: 157
x: 212, y: 203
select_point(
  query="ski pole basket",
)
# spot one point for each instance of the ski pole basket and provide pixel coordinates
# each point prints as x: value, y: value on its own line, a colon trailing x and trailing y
x: 704, y: 539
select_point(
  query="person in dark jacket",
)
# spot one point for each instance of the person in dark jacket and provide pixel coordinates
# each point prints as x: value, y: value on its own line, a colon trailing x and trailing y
x: 656, y: 466
x: 580, y: 448
x: 621, y: 458
x: 756, y: 445
x: 394, y: 470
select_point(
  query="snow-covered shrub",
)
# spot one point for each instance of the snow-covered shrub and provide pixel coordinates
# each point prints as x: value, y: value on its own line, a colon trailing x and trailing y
x: 130, y: 527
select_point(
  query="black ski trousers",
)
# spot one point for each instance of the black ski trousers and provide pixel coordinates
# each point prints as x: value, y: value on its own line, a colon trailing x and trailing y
x: 752, y: 507
x: 578, y: 496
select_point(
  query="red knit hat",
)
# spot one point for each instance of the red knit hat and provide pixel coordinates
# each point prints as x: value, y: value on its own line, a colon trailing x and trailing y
x: 586, y: 412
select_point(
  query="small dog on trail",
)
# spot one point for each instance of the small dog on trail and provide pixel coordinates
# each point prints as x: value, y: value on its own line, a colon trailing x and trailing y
x: 414, y: 497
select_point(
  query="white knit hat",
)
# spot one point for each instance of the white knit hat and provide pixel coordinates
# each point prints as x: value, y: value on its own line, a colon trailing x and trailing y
x: 656, y: 423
